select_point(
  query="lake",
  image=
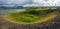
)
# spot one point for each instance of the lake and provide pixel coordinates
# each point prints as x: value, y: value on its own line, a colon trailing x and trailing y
x: 11, y: 11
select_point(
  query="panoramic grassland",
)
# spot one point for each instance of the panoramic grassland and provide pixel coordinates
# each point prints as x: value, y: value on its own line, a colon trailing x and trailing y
x: 32, y: 15
x: 45, y: 19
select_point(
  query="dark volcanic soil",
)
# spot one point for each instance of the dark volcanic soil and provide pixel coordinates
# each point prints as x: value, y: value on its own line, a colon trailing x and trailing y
x: 51, y: 24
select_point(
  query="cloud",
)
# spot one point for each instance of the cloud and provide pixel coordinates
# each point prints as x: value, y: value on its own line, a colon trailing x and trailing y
x: 47, y: 2
x: 38, y: 2
x: 15, y: 1
x: 31, y: 5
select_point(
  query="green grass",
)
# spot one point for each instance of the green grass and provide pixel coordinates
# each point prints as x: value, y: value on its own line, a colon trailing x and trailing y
x: 31, y: 15
x: 39, y: 8
x: 29, y: 18
x: 24, y: 17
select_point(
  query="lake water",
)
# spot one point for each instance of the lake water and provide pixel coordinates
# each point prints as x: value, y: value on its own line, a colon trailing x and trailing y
x: 11, y: 11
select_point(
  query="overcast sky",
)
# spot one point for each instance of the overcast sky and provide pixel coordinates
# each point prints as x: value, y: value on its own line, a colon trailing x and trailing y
x: 41, y: 2
x: 15, y: 1
x: 48, y: 2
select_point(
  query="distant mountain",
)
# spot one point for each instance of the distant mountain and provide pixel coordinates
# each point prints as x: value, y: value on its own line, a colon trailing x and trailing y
x: 37, y: 5
x: 11, y: 6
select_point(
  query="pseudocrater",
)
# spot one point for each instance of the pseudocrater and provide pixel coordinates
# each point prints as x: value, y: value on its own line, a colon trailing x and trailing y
x: 32, y: 15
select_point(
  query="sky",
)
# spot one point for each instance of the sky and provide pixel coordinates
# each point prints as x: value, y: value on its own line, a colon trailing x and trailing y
x: 15, y: 1
x: 48, y: 2
x: 32, y: 2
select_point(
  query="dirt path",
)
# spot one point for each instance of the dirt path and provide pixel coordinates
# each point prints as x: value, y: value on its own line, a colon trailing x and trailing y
x: 8, y: 25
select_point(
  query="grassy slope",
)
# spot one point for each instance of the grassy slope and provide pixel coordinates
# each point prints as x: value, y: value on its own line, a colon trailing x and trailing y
x: 30, y: 17
x: 8, y: 17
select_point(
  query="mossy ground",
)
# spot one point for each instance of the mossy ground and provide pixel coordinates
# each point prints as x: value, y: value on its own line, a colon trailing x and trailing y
x: 31, y: 16
x: 28, y: 18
